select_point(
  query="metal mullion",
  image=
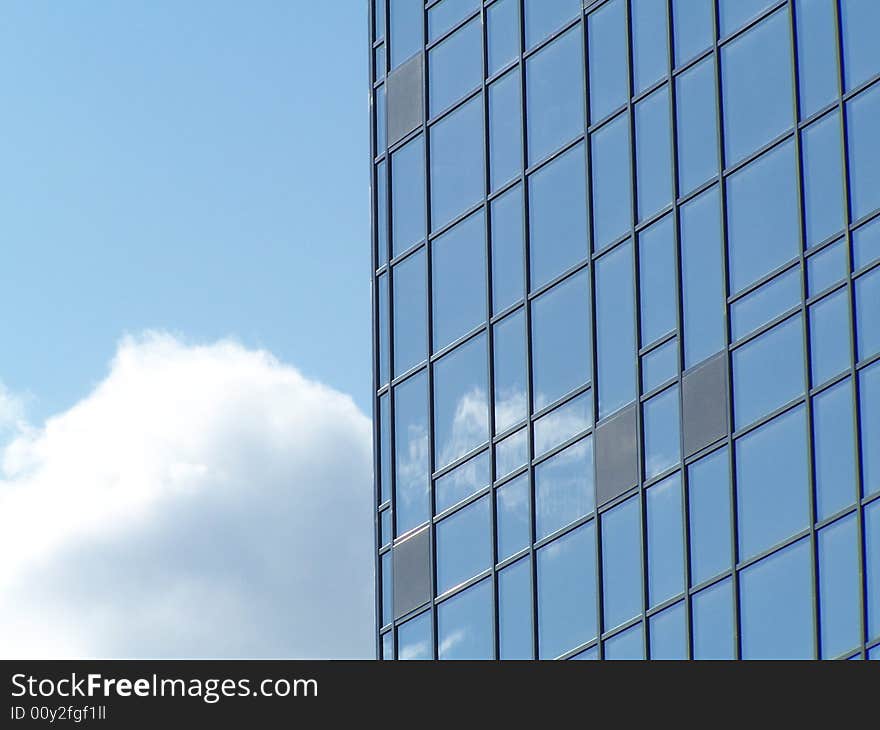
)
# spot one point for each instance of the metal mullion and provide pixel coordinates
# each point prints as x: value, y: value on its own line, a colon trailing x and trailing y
x: 431, y: 45
x: 559, y: 402
x: 741, y: 31
x: 559, y: 448
x: 765, y: 279
x: 672, y: 334
x: 565, y: 530
x: 773, y: 549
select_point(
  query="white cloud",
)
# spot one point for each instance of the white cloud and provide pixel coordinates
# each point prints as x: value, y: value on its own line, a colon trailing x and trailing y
x: 200, y: 501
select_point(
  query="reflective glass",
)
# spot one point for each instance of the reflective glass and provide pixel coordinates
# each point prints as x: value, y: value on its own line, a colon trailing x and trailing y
x: 756, y: 83
x: 379, y: 63
x: 387, y: 583
x: 444, y: 15
x: 465, y: 624
x: 765, y: 303
x: 381, y: 129
x: 511, y: 398
x: 713, y: 622
x: 864, y: 151
x: 507, y: 249
x: 710, y: 523
x: 659, y: 365
x: 563, y: 423
x: 772, y: 483
x: 866, y: 244
x: 502, y: 37
x: 462, y: 482
x: 505, y: 129
x: 823, y: 179
x: 693, y: 26
x: 828, y: 267
x: 511, y: 453
x: 612, y: 185
x: 455, y: 66
x: 564, y: 488
x: 405, y: 30
x: 622, y: 563
x: 378, y: 20
x: 386, y: 532
x: 385, y: 447
x: 567, y: 592
x: 542, y: 18
x: 776, y: 605
x: 733, y: 14
x: 665, y: 540
x: 457, y: 174
x: 653, y: 153
x: 872, y: 568
x: 817, y: 54
x: 763, y: 228
x: 410, y: 305
x: 555, y: 94
x: 464, y: 545
x: 662, y: 432
x: 384, y: 321
x: 412, y: 496
x: 861, y: 56
x: 388, y: 646
x: 414, y: 638
x: 461, y: 402
x: 839, y: 587
x: 869, y: 427
x: 591, y: 654
x: 829, y: 336
x: 560, y: 340
x: 607, y: 43
x: 458, y: 271
x: 629, y: 644
x: 657, y: 284
x: 408, y: 195
x: 697, y: 125
x: 649, y: 41
x: 558, y: 216
x: 381, y: 214
x: 515, y: 611
x: 867, y: 289
x: 668, y: 631
x: 512, y: 509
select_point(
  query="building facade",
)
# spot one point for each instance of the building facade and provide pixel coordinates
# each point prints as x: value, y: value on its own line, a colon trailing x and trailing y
x: 626, y: 292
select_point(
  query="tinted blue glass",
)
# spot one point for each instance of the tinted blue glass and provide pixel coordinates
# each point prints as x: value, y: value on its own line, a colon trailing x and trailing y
x: 697, y: 125
x: 502, y: 37
x: 564, y: 488
x: 542, y: 18
x: 591, y: 654
x: 864, y: 151
x: 387, y: 583
x: 385, y: 447
x: 615, y: 325
x: 622, y: 563
x: 408, y: 195
x: 829, y: 336
x: 776, y: 606
x: 386, y: 532
x: 381, y: 214
x: 869, y: 426
x: 769, y: 301
x: 405, y: 30
x: 649, y: 41
x: 555, y: 94
x: 834, y: 445
x: 874, y: 654
x: 763, y: 227
x: 872, y: 568
x: 665, y: 540
x: 511, y: 399
x: 560, y: 340
x: 384, y: 321
x: 414, y: 638
x: 512, y: 509
x: 756, y: 83
x: 461, y: 401
x: 653, y: 153
x: 378, y: 20
x: 388, y: 646
x: 515, y: 611
x: 710, y: 523
x: 612, y: 187
x: 505, y: 129
x: 507, y: 249
x: 823, y: 179
x: 839, y: 587
x: 381, y: 129
x: 455, y: 66
x: 827, y: 267
x: 567, y: 592
x: 668, y: 633
x: 511, y: 453
x: 410, y: 312
x: 412, y: 496
x: 379, y: 63
x: 733, y: 14
x: 662, y: 438
x: 464, y: 624
x: 657, y: 285
x: 458, y: 270
x: 713, y: 622
x: 464, y: 545
x: 772, y: 483
x: 867, y: 306
x: 861, y: 55
x: 444, y: 15
x: 607, y: 43
x: 457, y: 174
x: 693, y: 26
x: 702, y: 278
x: 558, y: 216
x: 462, y: 482
x: 768, y: 371
x: 817, y: 54
x: 629, y: 644
x: 866, y: 244
x: 659, y: 365
x: 563, y: 423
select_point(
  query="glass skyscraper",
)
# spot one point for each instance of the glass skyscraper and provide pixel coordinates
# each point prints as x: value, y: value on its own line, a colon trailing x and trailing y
x: 626, y: 292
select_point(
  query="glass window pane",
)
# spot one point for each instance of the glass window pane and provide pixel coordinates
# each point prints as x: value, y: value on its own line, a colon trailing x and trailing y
x: 662, y: 432
x: 462, y: 482
x: 702, y: 278
x: 405, y: 30
x: 659, y: 365
x: 558, y: 216
x: 768, y: 371
x: 829, y: 336
x: 464, y: 624
x: 657, y: 285
x: 629, y: 644
x: 763, y: 227
x: 756, y: 83
x: 412, y: 494
x: 511, y: 453
x: 563, y: 423
x: 697, y: 125
x: 867, y: 306
x: 414, y: 638
x: 381, y: 214
x: 505, y: 129
x: 564, y: 488
x: 444, y: 15
x: 839, y: 587
x: 828, y: 267
x: 382, y: 325
x: 387, y: 583
x: 817, y: 54
x: 615, y: 329
x: 560, y: 340
x: 736, y: 13
x: 408, y: 195
x: 457, y: 174
x: 649, y: 40
x: 866, y: 244
x: 388, y: 646
x: 381, y: 129
x: 713, y: 622
x: 710, y: 523
x: 834, y: 445
x: 612, y: 185
x: 512, y: 508
x: 507, y: 249
x: 772, y: 483
x: 511, y: 402
x: 461, y: 402
x: 823, y: 179
x: 503, y: 33
x: 777, y: 606
x: 379, y: 63
x: 567, y: 592
x: 872, y: 568
x: 385, y: 447
x: 693, y: 26
x: 869, y: 426
x: 864, y: 151
x: 542, y: 18
x: 591, y: 654
x: 386, y: 533
x: 861, y: 55
x: 622, y: 563
x: 378, y: 19
x: 765, y: 303
x: 455, y: 66
x: 607, y: 43
x: 515, y: 611
x: 669, y: 633
x: 410, y: 312
x: 653, y: 153
x: 665, y: 540
x: 464, y: 545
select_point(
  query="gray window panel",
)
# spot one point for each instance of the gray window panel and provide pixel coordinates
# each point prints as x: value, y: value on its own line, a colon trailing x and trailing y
x: 817, y: 54
x: 515, y: 611
x: 650, y: 52
x: 653, y: 153
x: 511, y: 453
x: 410, y: 312
x: 458, y: 272
x: 381, y: 213
x: 694, y: 28
x: 872, y: 568
x: 705, y: 409
x: 697, y: 125
x: 866, y: 244
x: 382, y: 121
x: 839, y: 587
x: 385, y: 447
x: 387, y: 577
x: 505, y: 129
x: 823, y: 179
x: 657, y: 280
x: 405, y: 30
x: 412, y: 572
x: 756, y: 78
x: 542, y: 18
x: 408, y: 195
x: 765, y: 303
x: 507, y: 249
x: 734, y: 14
x: 861, y: 55
x: 382, y: 326
x: 867, y: 289
x: 388, y: 645
x: 617, y: 457
x: 465, y: 624
x: 563, y: 423
x: 864, y: 151
x: 829, y: 336
x: 869, y: 425
x: 511, y: 398
x: 411, y: 449
x: 665, y: 540
x: 659, y: 366
x: 777, y: 606
x: 558, y: 216
x: 455, y: 66
x: 502, y: 36
x: 828, y: 267
x: 386, y: 532
x: 834, y: 449
x: 710, y: 521
x: 462, y: 482
x: 464, y: 545
x: 713, y: 622
x: 772, y: 483
x: 668, y: 632
x: 627, y: 645
x: 512, y: 510
x: 662, y: 432
x: 564, y: 488
x: 414, y: 638
x: 621, y: 563
x: 444, y: 15
x: 612, y: 184
x: 608, y: 66
x: 405, y: 104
